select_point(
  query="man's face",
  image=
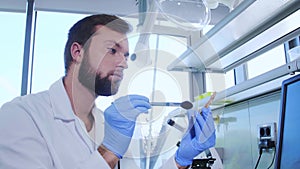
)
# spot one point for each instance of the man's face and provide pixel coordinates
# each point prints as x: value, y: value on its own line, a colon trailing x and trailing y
x: 104, y: 60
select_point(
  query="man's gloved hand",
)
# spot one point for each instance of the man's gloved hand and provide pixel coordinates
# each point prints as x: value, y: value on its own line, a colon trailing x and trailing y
x: 120, y: 118
x: 200, y: 136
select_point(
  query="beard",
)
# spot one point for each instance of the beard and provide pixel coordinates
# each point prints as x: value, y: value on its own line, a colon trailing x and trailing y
x: 93, y: 81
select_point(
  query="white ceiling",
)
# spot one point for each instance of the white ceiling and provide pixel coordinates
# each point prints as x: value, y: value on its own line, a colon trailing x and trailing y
x: 116, y: 7
x: 13, y: 5
x: 78, y: 6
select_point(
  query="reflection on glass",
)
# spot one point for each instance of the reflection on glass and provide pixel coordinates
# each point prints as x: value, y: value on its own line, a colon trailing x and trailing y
x: 51, y: 35
x: 266, y: 62
x: 12, y: 48
x: 190, y: 15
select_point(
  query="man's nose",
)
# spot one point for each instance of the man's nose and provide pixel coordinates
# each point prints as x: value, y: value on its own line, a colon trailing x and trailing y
x: 122, y: 61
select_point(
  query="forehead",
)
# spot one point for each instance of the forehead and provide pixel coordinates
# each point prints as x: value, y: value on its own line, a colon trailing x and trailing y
x: 109, y: 36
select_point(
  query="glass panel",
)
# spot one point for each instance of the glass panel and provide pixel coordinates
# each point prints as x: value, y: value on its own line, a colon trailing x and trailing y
x: 218, y: 81
x: 170, y: 86
x: 12, y: 36
x: 207, y: 28
x: 160, y: 85
x: 153, y: 81
x: 51, y: 35
x: 266, y: 62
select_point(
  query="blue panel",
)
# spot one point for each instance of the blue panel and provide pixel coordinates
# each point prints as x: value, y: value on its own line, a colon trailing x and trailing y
x: 288, y: 148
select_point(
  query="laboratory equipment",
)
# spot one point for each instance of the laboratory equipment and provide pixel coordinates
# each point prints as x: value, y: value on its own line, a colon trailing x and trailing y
x: 287, y: 153
x: 186, y: 104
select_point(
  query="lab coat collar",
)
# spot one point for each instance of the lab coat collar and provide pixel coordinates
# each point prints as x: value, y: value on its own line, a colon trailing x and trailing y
x: 61, y: 105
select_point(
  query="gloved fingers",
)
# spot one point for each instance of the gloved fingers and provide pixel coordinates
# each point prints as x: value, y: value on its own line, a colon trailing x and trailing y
x: 199, y: 120
x: 211, y: 141
x: 131, y: 106
x: 129, y: 99
x: 187, y: 137
x: 205, y: 111
x: 198, y: 125
x: 137, y: 107
x: 208, y: 143
x: 191, y: 120
x: 203, y: 128
x: 205, y: 124
x: 205, y: 115
x: 207, y: 131
x: 138, y: 97
x: 141, y: 105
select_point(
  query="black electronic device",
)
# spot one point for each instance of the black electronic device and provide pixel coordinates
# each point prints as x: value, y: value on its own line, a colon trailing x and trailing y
x: 204, y: 163
x: 288, y: 147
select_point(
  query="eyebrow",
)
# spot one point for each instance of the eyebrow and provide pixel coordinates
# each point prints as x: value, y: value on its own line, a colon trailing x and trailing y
x: 113, y: 42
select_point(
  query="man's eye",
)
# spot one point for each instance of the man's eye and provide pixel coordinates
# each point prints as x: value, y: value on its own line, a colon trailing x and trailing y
x: 112, y: 50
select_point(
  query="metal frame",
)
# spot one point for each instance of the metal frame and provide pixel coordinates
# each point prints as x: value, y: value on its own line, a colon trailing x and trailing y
x: 27, y: 44
x: 289, y: 68
x: 230, y: 23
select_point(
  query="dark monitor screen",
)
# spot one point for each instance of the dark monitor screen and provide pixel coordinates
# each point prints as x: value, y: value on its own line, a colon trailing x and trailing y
x: 288, y: 145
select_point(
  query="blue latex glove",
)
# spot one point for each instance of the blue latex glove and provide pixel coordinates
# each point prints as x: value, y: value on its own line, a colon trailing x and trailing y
x: 120, y: 118
x: 200, y: 137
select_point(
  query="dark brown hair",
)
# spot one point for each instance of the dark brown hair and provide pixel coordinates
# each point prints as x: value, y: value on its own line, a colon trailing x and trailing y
x: 81, y: 31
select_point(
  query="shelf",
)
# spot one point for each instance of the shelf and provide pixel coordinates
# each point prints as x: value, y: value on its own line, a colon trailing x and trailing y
x: 250, y: 29
x: 263, y: 83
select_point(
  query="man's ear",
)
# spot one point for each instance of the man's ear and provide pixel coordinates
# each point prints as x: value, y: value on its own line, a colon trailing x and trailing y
x: 76, y: 52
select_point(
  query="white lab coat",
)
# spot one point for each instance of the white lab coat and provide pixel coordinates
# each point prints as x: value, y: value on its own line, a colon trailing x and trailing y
x: 41, y: 131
